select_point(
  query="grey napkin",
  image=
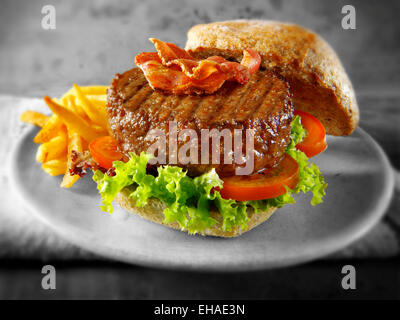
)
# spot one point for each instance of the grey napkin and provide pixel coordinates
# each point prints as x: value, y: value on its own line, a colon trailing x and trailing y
x: 23, y: 236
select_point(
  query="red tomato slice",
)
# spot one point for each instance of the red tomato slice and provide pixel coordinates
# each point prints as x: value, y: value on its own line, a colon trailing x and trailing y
x: 315, y: 141
x: 264, y: 185
x: 104, y: 151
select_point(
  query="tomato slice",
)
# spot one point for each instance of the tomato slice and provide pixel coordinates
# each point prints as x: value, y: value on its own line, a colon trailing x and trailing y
x: 104, y: 151
x: 315, y: 141
x: 264, y: 185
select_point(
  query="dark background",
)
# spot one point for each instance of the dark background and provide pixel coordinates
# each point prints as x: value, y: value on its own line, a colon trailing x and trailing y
x: 95, y: 39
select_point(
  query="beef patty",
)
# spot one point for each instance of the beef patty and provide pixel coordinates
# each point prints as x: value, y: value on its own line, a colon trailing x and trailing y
x: 263, y: 105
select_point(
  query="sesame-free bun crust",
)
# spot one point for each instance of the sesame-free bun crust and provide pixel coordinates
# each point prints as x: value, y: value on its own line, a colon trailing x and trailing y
x: 317, y: 79
x: 153, y: 211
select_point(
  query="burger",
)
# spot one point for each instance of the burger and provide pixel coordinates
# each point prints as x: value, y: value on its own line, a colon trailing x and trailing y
x: 213, y: 138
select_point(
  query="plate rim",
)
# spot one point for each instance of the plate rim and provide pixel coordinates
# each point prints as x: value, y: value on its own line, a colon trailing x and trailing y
x: 367, y: 224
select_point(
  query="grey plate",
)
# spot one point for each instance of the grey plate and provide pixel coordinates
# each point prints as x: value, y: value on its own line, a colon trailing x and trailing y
x: 360, y: 187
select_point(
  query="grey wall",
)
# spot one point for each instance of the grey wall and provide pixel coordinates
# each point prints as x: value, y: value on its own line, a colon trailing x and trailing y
x: 96, y: 39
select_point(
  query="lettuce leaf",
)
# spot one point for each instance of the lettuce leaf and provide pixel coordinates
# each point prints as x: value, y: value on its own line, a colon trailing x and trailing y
x: 189, y: 199
x: 311, y: 178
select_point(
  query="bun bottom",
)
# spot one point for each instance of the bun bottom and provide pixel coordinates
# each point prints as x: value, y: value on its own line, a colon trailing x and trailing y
x: 153, y: 211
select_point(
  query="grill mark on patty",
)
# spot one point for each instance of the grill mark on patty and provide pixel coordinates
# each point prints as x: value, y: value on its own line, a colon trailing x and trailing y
x: 232, y: 112
x: 247, y: 100
x: 166, y: 110
x: 166, y: 102
x: 134, y: 102
x: 129, y: 93
x: 132, y: 86
x: 251, y: 86
x: 255, y: 97
x: 270, y: 104
x: 197, y: 111
x: 232, y: 99
x: 185, y: 110
x: 263, y: 101
x: 152, y: 103
x: 207, y: 109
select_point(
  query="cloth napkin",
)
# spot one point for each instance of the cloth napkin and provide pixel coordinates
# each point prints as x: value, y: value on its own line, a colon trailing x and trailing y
x: 23, y: 236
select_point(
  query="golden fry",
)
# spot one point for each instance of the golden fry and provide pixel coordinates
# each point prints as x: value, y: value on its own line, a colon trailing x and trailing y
x: 77, y: 108
x: 56, y: 100
x: 99, y: 104
x: 94, y: 90
x: 41, y: 154
x: 33, y: 117
x: 64, y: 101
x: 99, y: 98
x: 74, y: 122
x: 54, y: 149
x: 89, y: 90
x: 96, y: 114
x: 57, y: 147
x: 55, y: 167
x: 79, y: 117
x: 74, y: 143
x: 68, y: 180
x: 50, y: 130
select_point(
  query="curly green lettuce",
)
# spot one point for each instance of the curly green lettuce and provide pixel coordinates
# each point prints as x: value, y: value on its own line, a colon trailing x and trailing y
x: 189, y: 199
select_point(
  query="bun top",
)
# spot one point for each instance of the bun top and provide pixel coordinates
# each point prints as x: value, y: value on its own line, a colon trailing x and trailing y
x: 317, y: 79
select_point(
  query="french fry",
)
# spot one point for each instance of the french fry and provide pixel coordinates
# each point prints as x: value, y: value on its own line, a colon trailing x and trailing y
x: 33, y: 117
x: 96, y: 114
x: 68, y: 180
x: 55, y: 167
x: 74, y: 122
x: 99, y: 103
x: 41, y: 154
x: 77, y: 108
x: 59, y: 101
x: 56, y: 148
x: 98, y: 98
x: 95, y: 90
x: 74, y: 143
x: 64, y: 101
x: 79, y: 117
x: 49, y: 130
x: 89, y: 90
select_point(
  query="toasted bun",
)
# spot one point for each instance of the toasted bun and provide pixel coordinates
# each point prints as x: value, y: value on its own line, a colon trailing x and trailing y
x: 317, y: 79
x: 153, y: 211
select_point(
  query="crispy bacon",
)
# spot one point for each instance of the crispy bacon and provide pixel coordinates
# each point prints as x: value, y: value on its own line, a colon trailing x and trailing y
x: 169, y: 51
x: 251, y: 60
x: 174, y: 70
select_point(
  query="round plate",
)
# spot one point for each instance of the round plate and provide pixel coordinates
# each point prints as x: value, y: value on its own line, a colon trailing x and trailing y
x: 360, y: 185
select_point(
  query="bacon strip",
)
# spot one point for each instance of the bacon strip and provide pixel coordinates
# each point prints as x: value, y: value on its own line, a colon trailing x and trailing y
x: 174, y: 70
x: 169, y: 51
